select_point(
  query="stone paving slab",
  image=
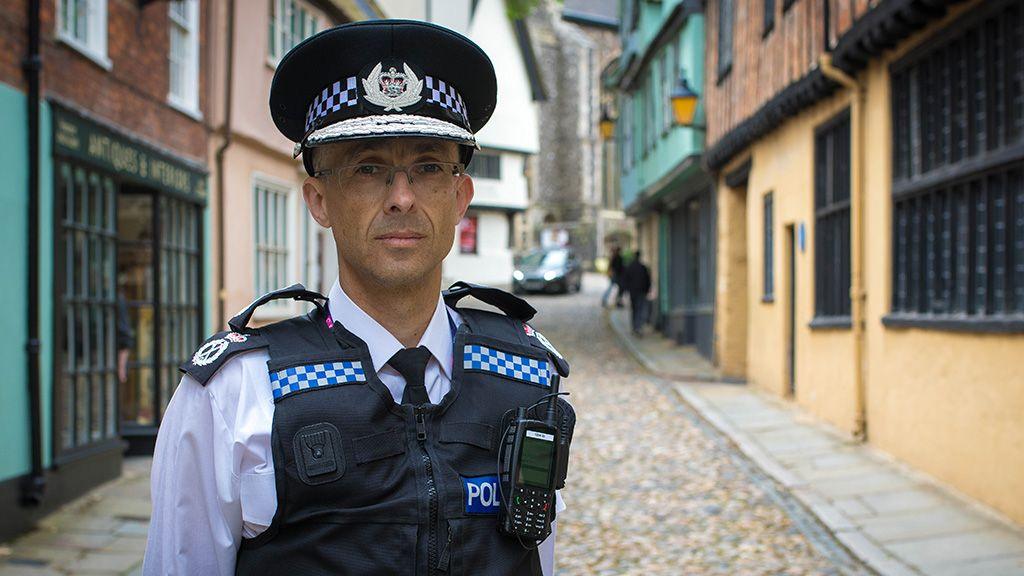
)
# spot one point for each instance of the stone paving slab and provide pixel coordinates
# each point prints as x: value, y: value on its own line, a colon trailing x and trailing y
x: 101, y: 534
x: 895, y: 519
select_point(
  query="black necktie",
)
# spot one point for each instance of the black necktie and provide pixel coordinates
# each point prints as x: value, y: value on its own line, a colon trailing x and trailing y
x: 411, y: 363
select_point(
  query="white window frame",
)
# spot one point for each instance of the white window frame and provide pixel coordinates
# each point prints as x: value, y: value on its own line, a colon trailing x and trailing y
x: 94, y: 45
x: 188, y: 100
x: 285, y: 37
x: 278, y: 308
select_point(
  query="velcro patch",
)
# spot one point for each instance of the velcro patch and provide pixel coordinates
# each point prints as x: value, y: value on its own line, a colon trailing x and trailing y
x: 481, y: 494
x: 310, y: 376
x: 526, y: 369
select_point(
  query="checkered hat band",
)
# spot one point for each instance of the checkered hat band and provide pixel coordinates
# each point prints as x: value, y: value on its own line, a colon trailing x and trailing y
x: 296, y: 378
x: 344, y: 94
x: 523, y: 368
x: 446, y: 96
x: 341, y: 94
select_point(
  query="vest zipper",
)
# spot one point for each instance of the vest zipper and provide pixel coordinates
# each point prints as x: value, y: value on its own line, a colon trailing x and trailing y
x: 442, y: 562
x: 421, y: 435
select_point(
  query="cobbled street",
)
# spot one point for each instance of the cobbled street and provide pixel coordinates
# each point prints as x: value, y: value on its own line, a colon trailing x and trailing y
x: 653, y: 490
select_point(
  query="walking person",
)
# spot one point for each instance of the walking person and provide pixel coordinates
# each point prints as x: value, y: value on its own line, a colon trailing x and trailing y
x: 637, y: 280
x: 615, y: 270
x: 361, y: 437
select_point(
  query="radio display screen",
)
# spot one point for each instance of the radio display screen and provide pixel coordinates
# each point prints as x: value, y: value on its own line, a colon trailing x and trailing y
x: 537, y: 459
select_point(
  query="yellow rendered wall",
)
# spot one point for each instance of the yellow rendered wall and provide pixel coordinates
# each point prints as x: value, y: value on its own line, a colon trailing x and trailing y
x: 244, y: 161
x: 783, y: 163
x: 731, y: 285
x: 948, y: 403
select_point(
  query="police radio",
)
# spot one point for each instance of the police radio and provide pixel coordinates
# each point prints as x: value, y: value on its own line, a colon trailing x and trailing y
x: 533, y: 458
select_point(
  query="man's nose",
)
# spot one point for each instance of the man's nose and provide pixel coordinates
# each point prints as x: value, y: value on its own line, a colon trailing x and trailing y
x: 401, y: 195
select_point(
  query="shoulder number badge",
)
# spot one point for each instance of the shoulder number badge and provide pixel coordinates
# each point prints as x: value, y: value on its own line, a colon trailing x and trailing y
x: 392, y: 89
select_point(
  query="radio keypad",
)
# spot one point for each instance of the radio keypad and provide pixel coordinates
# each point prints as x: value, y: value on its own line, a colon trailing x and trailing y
x: 531, y: 510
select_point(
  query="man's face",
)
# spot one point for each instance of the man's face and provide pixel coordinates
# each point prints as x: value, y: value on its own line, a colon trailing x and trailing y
x: 394, y: 236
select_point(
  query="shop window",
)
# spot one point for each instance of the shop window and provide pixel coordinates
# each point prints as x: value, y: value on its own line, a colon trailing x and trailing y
x: 291, y: 22
x: 769, y: 248
x: 82, y: 24
x: 725, y: 24
x: 183, y: 55
x: 270, y: 209
x: 958, y: 185
x: 485, y: 165
x: 832, y: 220
x: 468, y: 235
x: 90, y: 309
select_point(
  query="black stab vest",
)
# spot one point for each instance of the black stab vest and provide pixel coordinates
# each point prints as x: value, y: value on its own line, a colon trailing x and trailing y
x: 367, y: 486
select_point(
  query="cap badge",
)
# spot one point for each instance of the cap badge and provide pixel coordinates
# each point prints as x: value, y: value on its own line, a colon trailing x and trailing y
x: 392, y: 89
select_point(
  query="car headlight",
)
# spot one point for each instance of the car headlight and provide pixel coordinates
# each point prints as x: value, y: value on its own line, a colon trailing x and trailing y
x: 517, y: 275
x: 550, y: 275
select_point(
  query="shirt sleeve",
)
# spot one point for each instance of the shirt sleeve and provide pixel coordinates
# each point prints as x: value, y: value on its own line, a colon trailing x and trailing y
x: 197, y: 518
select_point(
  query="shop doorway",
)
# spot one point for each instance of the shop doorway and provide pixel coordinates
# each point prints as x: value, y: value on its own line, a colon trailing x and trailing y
x: 159, y: 281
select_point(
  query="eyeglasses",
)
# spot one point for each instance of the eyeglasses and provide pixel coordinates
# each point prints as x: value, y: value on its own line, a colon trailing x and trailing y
x: 422, y: 176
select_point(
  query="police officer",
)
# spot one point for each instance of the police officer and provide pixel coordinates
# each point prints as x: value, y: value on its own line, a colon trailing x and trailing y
x: 361, y: 437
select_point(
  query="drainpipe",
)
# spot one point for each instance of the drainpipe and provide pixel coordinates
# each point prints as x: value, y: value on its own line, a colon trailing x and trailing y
x: 858, y: 294
x: 35, y: 483
x: 221, y: 151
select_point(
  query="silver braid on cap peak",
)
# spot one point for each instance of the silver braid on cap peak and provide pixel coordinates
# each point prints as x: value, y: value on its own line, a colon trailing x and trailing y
x: 390, y: 125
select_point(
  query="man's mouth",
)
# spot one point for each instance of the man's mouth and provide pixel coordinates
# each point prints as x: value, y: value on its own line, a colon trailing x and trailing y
x: 401, y: 239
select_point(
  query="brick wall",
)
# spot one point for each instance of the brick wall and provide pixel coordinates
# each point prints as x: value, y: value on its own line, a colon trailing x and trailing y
x: 133, y: 93
x: 765, y: 65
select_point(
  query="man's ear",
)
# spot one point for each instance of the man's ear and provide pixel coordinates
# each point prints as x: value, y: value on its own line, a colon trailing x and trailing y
x: 314, y: 192
x: 464, y: 194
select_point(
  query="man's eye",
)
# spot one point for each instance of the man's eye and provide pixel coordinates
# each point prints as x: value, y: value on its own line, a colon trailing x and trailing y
x: 366, y: 170
x: 429, y: 168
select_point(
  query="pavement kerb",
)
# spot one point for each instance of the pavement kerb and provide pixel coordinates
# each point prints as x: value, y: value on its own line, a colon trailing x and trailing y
x: 844, y: 529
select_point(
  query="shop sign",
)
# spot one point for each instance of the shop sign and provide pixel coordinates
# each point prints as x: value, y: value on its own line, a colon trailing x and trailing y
x: 80, y: 138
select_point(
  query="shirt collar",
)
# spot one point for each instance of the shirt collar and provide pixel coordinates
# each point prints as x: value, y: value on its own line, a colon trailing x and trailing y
x: 381, y: 343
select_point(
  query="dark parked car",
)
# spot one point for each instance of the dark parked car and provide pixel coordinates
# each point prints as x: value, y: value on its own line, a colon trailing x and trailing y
x: 547, y: 270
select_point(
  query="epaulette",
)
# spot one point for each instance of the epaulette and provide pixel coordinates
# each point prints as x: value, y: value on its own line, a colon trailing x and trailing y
x: 220, y: 347
x: 217, y: 350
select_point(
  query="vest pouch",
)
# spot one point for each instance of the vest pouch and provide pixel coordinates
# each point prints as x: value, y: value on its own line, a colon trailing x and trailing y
x: 476, y: 552
x: 471, y: 446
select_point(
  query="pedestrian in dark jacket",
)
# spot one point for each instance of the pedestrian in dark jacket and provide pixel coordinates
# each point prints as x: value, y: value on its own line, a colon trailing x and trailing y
x: 637, y: 281
x: 615, y: 269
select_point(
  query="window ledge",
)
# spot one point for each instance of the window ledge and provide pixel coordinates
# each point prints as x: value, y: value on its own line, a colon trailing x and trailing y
x: 830, y: 323
x: 1009, y: 324
x: 192, y: 112
x: 92, y: 54
x: 768, y: 299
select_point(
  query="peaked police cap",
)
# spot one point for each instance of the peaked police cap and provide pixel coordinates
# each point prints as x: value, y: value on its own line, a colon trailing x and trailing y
x: 382, y: 78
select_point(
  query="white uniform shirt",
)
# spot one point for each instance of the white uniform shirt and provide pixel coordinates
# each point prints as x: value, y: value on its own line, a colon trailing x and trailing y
x: 213, y: 468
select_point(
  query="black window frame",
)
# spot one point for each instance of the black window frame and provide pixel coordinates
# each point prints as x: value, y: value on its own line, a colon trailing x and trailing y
x: 726, y: 24
x: 957, y: 109
x: 768, y: 243
x: 769, y: 18
x: 832, y: 233
x: 485, y: 165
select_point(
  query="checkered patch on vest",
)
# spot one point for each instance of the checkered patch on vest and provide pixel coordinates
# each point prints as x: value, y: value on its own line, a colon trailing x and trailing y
x: 298, y: 378
x: 484, y: 359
